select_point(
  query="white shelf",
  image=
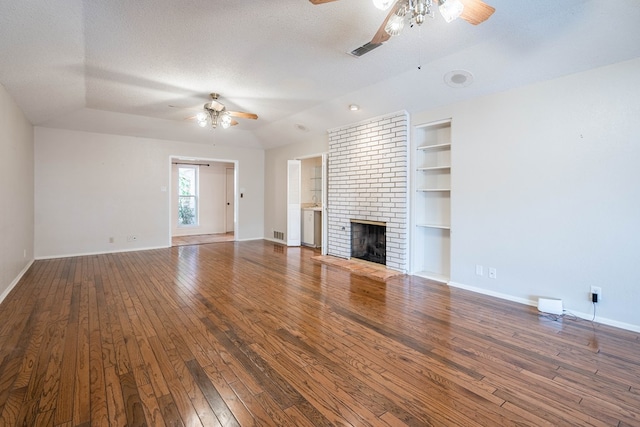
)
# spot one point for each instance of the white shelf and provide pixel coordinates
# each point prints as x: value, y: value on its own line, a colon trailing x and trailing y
x: 431, y: 255
x: 436, y: 277
x: 435, y: 146
x: 440, y: 226
x: 435, y: 168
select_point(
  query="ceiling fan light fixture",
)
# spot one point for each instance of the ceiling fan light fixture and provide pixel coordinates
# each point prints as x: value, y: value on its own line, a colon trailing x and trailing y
x: 216, y: 114
x: 201, y: 118
x: 420, y: 9
x: 396, y: 23
x: 450, y: 9
x: 225, y: 120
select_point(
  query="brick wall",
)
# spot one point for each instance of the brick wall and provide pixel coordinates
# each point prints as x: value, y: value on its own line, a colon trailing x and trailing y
x: 368, y: 181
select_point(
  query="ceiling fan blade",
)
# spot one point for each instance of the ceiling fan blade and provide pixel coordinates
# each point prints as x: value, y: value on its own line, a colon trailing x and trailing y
x: 321, y: 1
x: 234, y: 122
x: 381, y: 35
x: 476, y: 11
x: 243, y: 115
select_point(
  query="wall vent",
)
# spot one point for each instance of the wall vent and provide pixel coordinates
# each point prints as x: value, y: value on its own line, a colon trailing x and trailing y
x: 278, y: 235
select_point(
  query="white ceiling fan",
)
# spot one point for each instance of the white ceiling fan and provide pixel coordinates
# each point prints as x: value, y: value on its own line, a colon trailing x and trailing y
x: 415, y: 11
x: 214, y: 113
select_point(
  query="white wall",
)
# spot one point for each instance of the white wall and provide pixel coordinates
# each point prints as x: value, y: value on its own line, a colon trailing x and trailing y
x: 211, y: 201
x: 90, y: 187
x: 546, y: 188
x: 16, y: 193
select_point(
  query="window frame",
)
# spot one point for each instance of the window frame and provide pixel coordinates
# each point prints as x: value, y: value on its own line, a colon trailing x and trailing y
x: 194, y: 196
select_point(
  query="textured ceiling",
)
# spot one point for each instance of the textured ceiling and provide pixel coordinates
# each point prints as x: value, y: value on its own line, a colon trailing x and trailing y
x: 118, y: 66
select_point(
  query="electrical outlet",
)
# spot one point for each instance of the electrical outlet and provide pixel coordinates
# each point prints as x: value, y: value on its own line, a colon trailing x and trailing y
x: 493, y: 273
x: 479, y: 270
x: 597, y: 290
x: 111, y: 240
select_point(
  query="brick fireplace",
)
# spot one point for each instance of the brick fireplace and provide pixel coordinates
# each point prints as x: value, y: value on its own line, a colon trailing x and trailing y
x: 368, y: 183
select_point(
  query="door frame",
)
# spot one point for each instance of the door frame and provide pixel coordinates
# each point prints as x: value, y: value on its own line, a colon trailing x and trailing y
x: 233, y: 198
x: 294, y: 225
x: 170, y: 199
x: 325, y: 186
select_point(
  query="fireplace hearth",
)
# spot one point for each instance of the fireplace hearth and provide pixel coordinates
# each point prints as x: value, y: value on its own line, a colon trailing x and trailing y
x: 368, y: 241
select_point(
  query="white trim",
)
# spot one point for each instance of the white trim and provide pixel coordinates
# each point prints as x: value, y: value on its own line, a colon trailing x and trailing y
x: 311, y: 156
x: 605, y: 321
x: 249, y: 239
x: 434, y: 123
x: 101, y: 253
x: 280, y: 242
x: 15, y: 281
x: 494, y: 294
x: 534, y: 303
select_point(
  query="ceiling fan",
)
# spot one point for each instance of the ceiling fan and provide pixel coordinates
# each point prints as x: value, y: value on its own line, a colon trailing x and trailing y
x: 415, y: 11
x: 215, y: 113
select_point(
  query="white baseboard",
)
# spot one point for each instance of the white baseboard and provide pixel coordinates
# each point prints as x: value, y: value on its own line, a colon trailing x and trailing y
x: 101, y: 253
x: 15, y: 281
x: 495, y: 294
x: 269, y: 239
x: 534, y: 303
x: 605, y: 321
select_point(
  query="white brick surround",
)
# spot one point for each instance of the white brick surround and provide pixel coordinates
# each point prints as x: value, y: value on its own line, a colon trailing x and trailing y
x: 368, y: 181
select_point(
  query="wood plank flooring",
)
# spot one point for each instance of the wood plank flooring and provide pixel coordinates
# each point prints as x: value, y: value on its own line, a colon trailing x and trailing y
x: 256, y: 334
x: 200, y: 239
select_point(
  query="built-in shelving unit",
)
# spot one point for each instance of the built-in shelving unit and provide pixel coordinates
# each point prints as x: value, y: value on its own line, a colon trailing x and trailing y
x: 316, y: 184
x: 432, y: 201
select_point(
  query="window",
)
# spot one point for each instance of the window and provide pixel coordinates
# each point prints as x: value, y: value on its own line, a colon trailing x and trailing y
x: 187, y: 195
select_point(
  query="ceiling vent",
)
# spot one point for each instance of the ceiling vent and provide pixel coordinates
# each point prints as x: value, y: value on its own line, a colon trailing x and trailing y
x: 365, y: 48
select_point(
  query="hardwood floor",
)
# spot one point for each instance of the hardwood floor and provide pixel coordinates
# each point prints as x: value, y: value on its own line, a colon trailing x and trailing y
x: 199, y: 239
x: 253, y: 333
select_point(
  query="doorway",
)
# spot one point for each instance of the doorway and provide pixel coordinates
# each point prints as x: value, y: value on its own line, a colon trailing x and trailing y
x: 307, y: 202
x: 202, y: 201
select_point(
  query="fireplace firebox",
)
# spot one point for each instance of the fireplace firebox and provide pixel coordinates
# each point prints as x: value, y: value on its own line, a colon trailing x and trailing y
x: 368, y: 241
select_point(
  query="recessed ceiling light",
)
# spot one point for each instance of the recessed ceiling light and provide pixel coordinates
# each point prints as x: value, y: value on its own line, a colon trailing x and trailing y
x: 354, y: 107
x: 458, y: 78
